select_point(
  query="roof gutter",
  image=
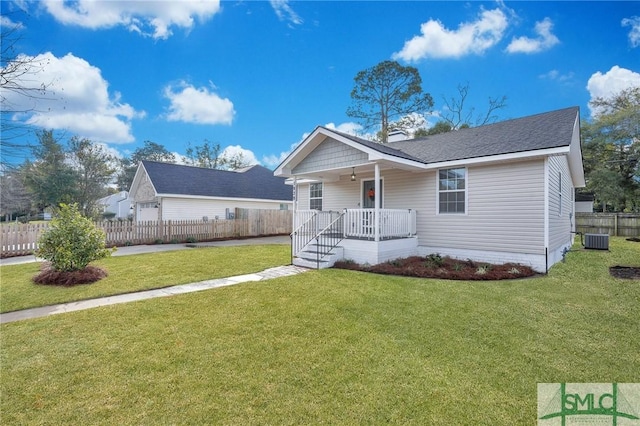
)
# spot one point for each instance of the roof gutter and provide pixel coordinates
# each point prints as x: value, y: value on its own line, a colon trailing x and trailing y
x: 539, y: 153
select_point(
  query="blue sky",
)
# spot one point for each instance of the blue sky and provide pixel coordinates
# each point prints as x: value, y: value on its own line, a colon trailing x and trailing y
x: 257, y: 76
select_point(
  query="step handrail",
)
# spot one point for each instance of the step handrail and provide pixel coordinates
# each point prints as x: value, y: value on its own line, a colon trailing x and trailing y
x: 333, y: 240
x: 297, y: 245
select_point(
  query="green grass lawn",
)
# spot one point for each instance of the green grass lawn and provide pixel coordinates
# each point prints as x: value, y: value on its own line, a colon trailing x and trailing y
x: 140, y: 272
x: 330, y: 347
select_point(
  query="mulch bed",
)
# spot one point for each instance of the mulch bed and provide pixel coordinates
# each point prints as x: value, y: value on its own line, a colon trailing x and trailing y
x: 88, y: 275
x: 626, y: 272
x: 434, y: 266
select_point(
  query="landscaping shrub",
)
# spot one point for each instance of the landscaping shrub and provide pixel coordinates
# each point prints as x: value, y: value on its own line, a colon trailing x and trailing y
x: 72, y: 241
x: 436, y: 266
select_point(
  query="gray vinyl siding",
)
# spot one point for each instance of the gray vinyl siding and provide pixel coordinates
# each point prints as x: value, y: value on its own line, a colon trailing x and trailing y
x: 330, y: 154
x: 559, y: 219
x: 505, y: 211
x: 400, y: 191
x: 302, y: 197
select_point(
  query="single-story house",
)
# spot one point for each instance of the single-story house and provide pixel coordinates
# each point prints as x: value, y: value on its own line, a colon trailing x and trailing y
x: 118, y: 204
x: 164, y: 191
x: 497, y: 193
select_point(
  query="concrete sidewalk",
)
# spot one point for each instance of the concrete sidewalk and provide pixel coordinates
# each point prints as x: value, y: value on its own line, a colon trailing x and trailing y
x: 280, y: 271
x: 156, y: 248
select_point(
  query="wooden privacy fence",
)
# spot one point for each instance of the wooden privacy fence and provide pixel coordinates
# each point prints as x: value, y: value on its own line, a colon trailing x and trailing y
x: 614, y: 224
x: 22, y: 239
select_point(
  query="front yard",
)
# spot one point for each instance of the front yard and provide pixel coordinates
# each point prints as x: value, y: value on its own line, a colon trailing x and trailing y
x: 333, y: 347
x: 140, y: 272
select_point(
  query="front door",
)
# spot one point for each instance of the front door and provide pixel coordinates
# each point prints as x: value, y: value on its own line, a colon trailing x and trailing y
x: 369, y: 195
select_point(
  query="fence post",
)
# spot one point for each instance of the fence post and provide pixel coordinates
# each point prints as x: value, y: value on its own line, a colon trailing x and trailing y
x: 615, y: 225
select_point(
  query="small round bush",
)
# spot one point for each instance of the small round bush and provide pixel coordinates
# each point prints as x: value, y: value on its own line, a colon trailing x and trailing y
x: 72, y: 241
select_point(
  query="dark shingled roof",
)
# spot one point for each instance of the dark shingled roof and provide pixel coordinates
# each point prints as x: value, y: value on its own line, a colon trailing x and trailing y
x: 541, y: 131
x: 254, y: 182
x: 383, y: 148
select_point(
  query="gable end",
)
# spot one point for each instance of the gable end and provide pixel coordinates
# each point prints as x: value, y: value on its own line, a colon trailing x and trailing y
x: 330, y: 154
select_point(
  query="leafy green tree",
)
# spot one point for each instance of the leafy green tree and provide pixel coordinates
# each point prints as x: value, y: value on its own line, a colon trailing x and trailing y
x: 95, y: 170
x: 386, y: 92
x: 611, y: 150
x: 14, y: 197
x: 49, y: 178
x: 151, y: 151
x: 72, y: 241
x: 206, y: 155
x: 212, y: 156
x: 439, y: 127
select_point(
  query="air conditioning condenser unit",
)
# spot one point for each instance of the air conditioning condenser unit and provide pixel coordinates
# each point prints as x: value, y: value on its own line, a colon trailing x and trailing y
x: 596, y: 241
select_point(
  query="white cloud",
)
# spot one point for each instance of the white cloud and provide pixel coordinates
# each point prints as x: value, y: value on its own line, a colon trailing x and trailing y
x: 8, y: 25
x: 544, y: 41
x: 76, y: 99
x: 285, y: 12
x: 198, y: 105
x: 436, y: 41
x: 348, y: 127
x: 236, y: 150
x: 555, y: 75
x: 610, y: 83
x: 634, y: 33
x: 149, y: 18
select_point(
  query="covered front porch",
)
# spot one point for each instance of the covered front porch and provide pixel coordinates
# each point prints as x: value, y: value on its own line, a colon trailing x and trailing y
x: 320, y: 238
x: 353, y: 199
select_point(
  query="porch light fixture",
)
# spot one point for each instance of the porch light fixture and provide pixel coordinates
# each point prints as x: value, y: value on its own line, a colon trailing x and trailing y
x: 353, y: 174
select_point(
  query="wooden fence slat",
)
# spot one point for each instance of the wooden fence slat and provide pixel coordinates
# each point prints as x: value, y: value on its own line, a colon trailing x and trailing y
x: 22, y: 239
x: 614, y: 224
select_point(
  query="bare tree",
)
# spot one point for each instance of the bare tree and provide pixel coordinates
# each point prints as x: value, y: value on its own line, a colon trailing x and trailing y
x: 16, y: 95
x: 460, y: 115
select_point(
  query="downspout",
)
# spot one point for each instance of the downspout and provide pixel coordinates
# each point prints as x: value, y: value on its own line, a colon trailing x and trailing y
x: 377, y: 200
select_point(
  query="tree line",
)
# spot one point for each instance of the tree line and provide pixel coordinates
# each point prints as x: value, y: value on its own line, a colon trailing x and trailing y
x: 390, y: 97
x: 385, y: 98
x: 82, y: 171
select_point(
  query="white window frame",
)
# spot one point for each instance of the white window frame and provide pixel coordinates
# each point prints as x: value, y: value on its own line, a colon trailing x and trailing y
x: 456, y: 190
x: 316, y: 198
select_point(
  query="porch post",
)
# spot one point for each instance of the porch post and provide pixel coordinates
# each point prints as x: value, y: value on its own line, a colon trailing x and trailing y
x: 295, y: 203
x: 377, y: 202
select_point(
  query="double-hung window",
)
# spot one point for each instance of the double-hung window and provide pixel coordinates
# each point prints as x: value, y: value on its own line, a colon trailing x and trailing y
x: 315, y: 196
x: 452, y: 190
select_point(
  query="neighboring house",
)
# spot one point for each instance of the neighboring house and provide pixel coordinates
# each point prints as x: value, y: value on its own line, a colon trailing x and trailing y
x: 117, y: 203
x: 163, y: 191
x: 497, y: 193
x: 584, y: 202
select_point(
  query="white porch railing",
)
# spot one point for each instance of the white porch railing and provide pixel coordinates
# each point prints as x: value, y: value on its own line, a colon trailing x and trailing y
x: 358, y: 223
x: 394, y: 223
x: 308, y: 224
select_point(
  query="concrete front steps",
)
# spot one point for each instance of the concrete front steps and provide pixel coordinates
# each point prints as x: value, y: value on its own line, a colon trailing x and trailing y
x: 308, y: 257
